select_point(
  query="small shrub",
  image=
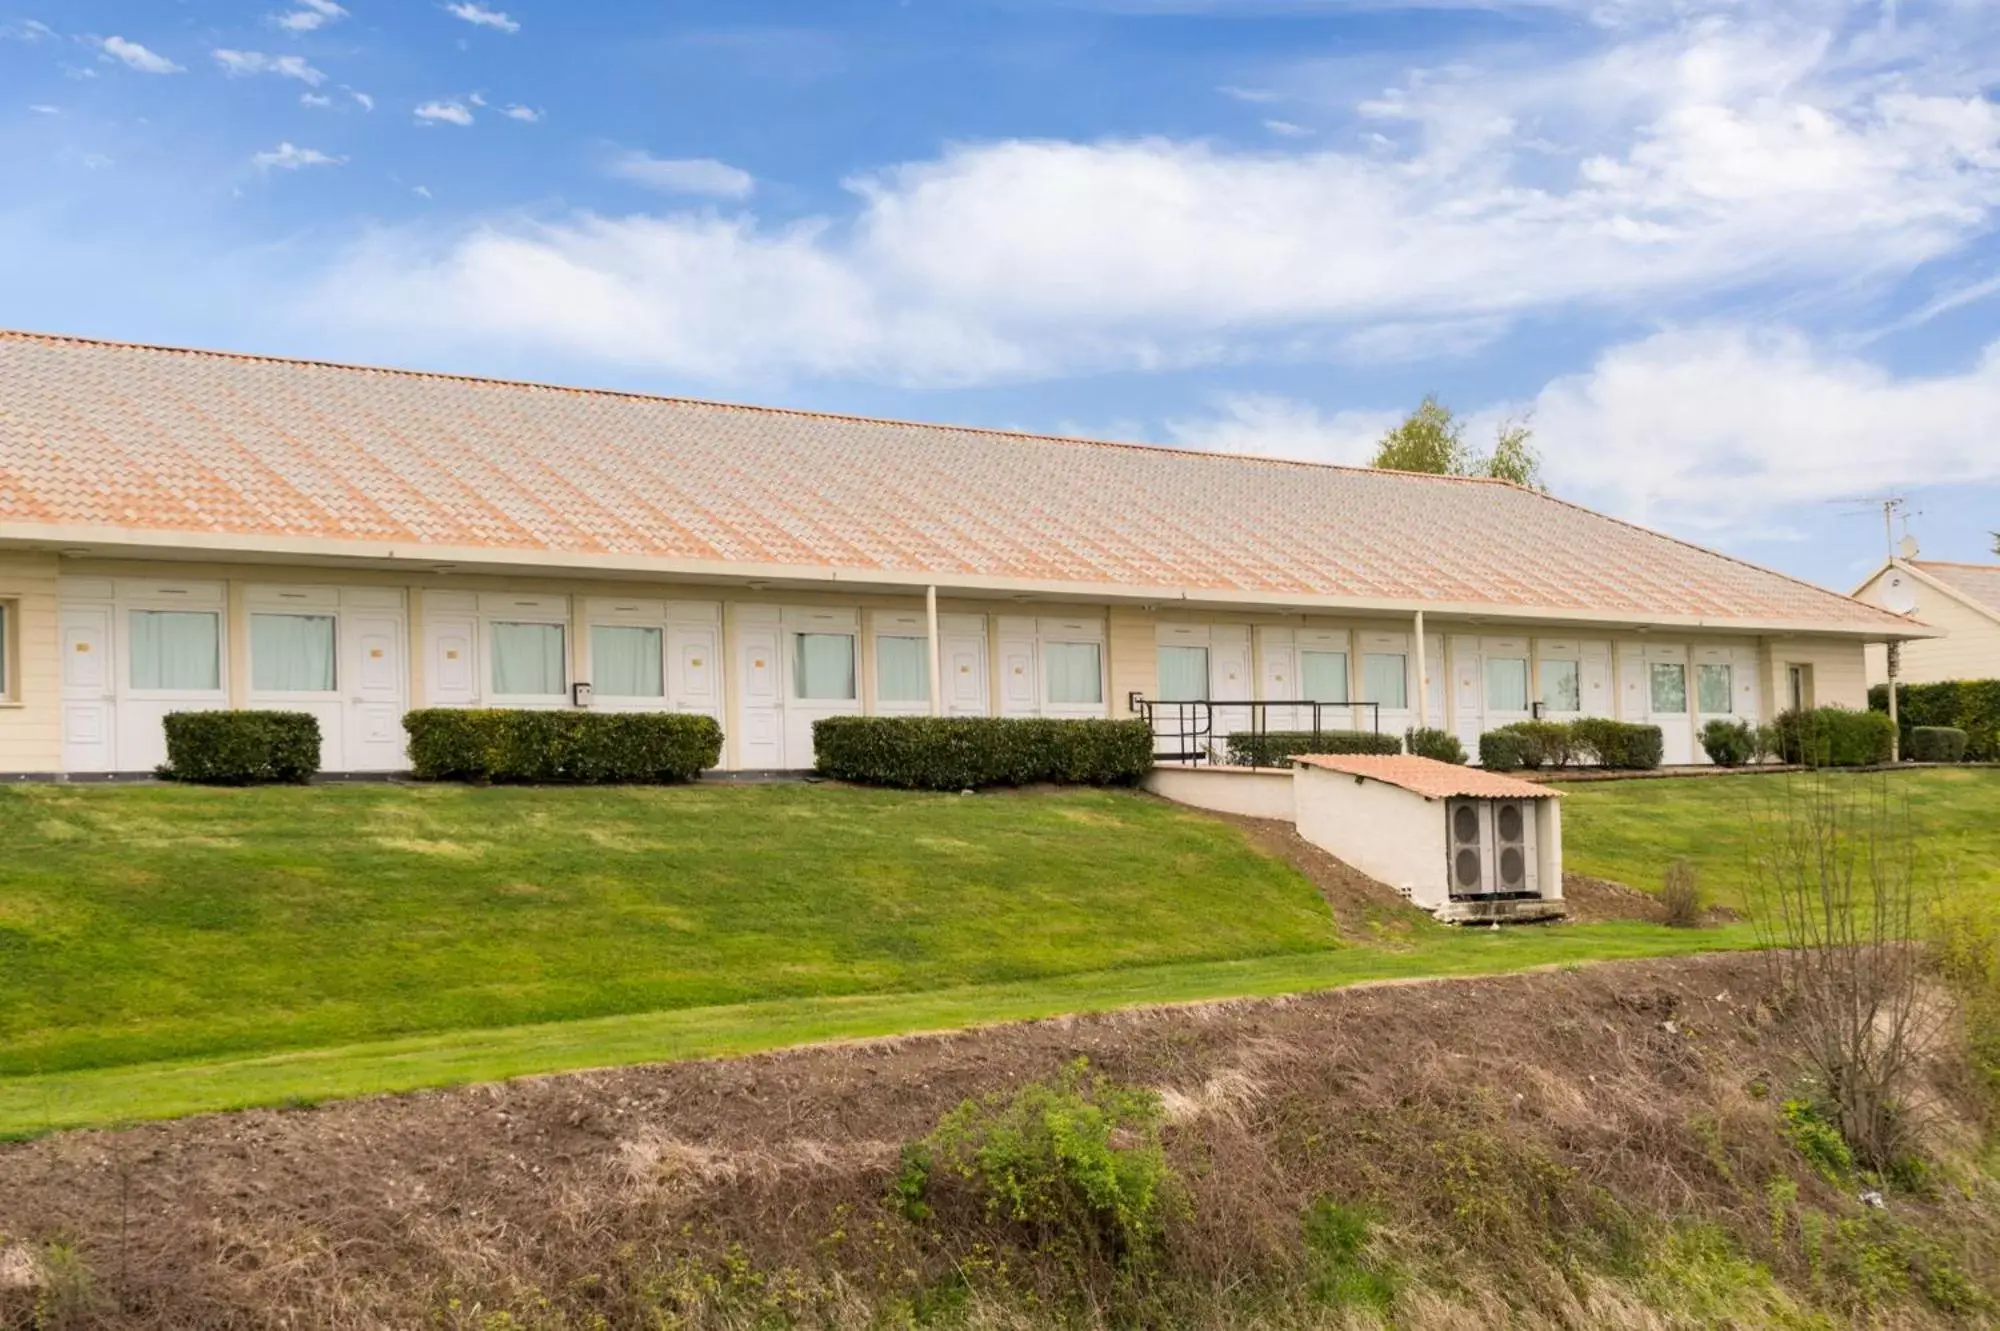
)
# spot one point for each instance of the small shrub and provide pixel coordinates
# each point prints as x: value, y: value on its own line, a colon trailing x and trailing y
x: 970, y: 753
x: 1729, y: 743
x: 1543, y: 743
x: 242, y: 748
x: 585, y: 748
x: 1936, y: 744
x: 1430, y: 742
x: 1766, y: 747
x: 1076, y: 1164
x: 1834, y: 737
x: 1341, y: 1272
x: 1818, y: 1139
x: 1501, y: 751
x: 1277, y: 748
x: 1617, y: 744
x: 1680, y: 894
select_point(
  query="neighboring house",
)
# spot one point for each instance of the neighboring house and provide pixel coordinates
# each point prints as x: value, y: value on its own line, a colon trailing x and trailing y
x: 184, y: 530
x: 1961, y: 599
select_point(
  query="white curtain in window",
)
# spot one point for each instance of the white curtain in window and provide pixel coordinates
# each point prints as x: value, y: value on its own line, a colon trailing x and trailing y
x: 625, y: 662
x: 527, y: 660
x: 1183, y: 674
x: 176, y: 649
x: 1385, y: 678
x: 902, y: 669
x: 1712, y: 688
x: 1074, y: 671
x: 1506, y: 684
x: 1323, y: 676
x: 1670, y: 687
x: 291, y: 654
x: 1562, y: 689
x: 823, y: 666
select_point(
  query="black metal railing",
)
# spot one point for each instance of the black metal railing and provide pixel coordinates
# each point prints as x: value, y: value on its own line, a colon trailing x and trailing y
x: 1200, y: 730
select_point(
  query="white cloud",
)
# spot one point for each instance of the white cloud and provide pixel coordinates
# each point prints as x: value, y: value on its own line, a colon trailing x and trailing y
x: 446, y: 113
x: 288, y: 157
x: 477, y: 99
x: 27, y: 30
x: 524, y: 113
x: 421, y: 191
x: 1648, y: 179
x: 1285, y: 129
x: 44, y: 109
x: 1272, y: 425
x: 480, y: 16
x: 681, y: 175
x: 311, y: 16
x: 135, y: 56
x: 243, y: 63
x: 315, y: 99
x: 362, y: 99
x: 1254, y: 95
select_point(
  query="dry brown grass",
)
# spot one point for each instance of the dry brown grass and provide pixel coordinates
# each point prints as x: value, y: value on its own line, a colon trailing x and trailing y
x: 1528, y: 1149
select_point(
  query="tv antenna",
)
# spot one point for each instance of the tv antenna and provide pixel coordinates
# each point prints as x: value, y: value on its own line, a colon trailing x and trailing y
x: 1893, y: 507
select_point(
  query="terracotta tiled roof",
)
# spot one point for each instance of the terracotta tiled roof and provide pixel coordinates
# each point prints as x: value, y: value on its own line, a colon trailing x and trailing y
x: 1975, y: 582
x: 1429, y: 777
x: 96, y: 434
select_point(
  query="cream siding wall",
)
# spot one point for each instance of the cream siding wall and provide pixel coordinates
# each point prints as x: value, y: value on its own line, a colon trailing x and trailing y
x: 1839, y: 672
x: 1135, y: 656
x: 31, y: 710
x: 1972, y: 651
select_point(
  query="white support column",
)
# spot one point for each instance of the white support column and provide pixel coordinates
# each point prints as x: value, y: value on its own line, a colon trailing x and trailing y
x: 1423, y: 679
x: 931, y: 628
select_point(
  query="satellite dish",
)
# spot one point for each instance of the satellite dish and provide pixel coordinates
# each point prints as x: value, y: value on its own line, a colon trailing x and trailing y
x: 1908, y: 547
x: 1898, y: 594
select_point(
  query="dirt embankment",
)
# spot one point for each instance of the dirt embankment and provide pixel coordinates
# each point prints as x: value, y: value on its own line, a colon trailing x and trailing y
x: 1525, y: 1146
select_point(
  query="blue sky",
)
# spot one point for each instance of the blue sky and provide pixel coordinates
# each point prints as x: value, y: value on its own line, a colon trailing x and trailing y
x: 1734, y: 259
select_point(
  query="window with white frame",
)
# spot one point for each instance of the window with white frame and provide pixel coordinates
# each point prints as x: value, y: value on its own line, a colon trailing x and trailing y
x: 1506, y: 684
x: 902, y: 669
x: 526, y: 659
x: 176, y: 651
x: 1385, y: 679
x: 292, y: 653
x: 1669, y: 687
x: 1323, y: 676
x: 1183, y: 673
x: 823, y: 667
x: 1713, y: 688
x: 1562, y: 686
x: 627, y: 661
x: 1073, y: 673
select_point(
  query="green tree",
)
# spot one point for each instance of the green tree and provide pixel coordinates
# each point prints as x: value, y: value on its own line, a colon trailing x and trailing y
x: 1431, y: 439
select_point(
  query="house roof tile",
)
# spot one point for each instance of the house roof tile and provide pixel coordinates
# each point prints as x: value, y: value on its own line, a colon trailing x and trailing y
x: 1975, y: 582
x: 1429, y: 777
x: 101, y: 434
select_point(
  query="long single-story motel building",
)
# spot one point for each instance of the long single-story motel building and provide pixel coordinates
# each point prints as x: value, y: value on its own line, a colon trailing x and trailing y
x: 186, y: 530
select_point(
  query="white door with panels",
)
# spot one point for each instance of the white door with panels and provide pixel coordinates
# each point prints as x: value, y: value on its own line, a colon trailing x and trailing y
x: 760, y: 705
x: 1020, y: 671
x: 1230, y: 680
x: 1468, y: 691
x: 1277, y: 676
x: 89, y: 692
x: 962, y: 644
x: 451, y: 649
x: 1437, y: 682
x: 694, y: 659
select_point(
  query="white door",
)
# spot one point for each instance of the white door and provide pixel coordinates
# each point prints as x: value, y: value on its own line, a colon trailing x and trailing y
x: 760, y: 711
x: 1020, y: 690
x: 371, y: 732
x: 691, y: 659
x: 1664, y: 688
x: 1595, y: 663
x: 89, y: 695
x: 1229, y: 680
x: 1277, y: 677
x: 451, y: 661
x: 1436, y: 681
x: 962, y: 644
x: 1468, y: 697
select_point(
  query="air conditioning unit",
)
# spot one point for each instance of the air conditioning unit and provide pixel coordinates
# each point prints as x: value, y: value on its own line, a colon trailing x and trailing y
x: 1492, y: 848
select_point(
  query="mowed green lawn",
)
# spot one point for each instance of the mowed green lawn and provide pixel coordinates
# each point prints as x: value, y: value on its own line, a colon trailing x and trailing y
x: 168, y: 949
x: 1629, y: 831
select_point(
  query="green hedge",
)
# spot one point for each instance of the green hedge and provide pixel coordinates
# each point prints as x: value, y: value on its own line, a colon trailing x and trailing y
x: 1502, y: 751
x: 1834, y: 737
x: 585, y: 748
x: 1625, y: 745
x: 1277, y: 748
x: 1971, y: 705
x: 1729, y: 743
x: 242, y: 748
x: 1936, y: 744
x: 973, y: 752
x: 1430, y: 742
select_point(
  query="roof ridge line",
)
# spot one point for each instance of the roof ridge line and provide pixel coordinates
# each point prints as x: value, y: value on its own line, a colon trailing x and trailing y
x: 489, y: 381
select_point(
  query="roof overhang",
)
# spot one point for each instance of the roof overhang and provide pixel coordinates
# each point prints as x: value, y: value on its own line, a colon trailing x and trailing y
x: 229, y: 547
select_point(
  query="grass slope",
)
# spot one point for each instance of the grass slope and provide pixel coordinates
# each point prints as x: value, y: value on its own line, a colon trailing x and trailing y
x: 166, y: 922
x: 1629, y: 831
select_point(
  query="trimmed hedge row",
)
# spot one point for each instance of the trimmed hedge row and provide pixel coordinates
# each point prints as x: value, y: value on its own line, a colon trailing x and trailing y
x: 1588, y: 740
x: 1971, y: 705
x: 1277, y: 748
x: 1834, y: 737
x: 1936, y: 744
x: 506, y: 745
x: 972, y: 752
x: 241, y: 748
x: 1730, y: 743
x: 1430, y: 742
